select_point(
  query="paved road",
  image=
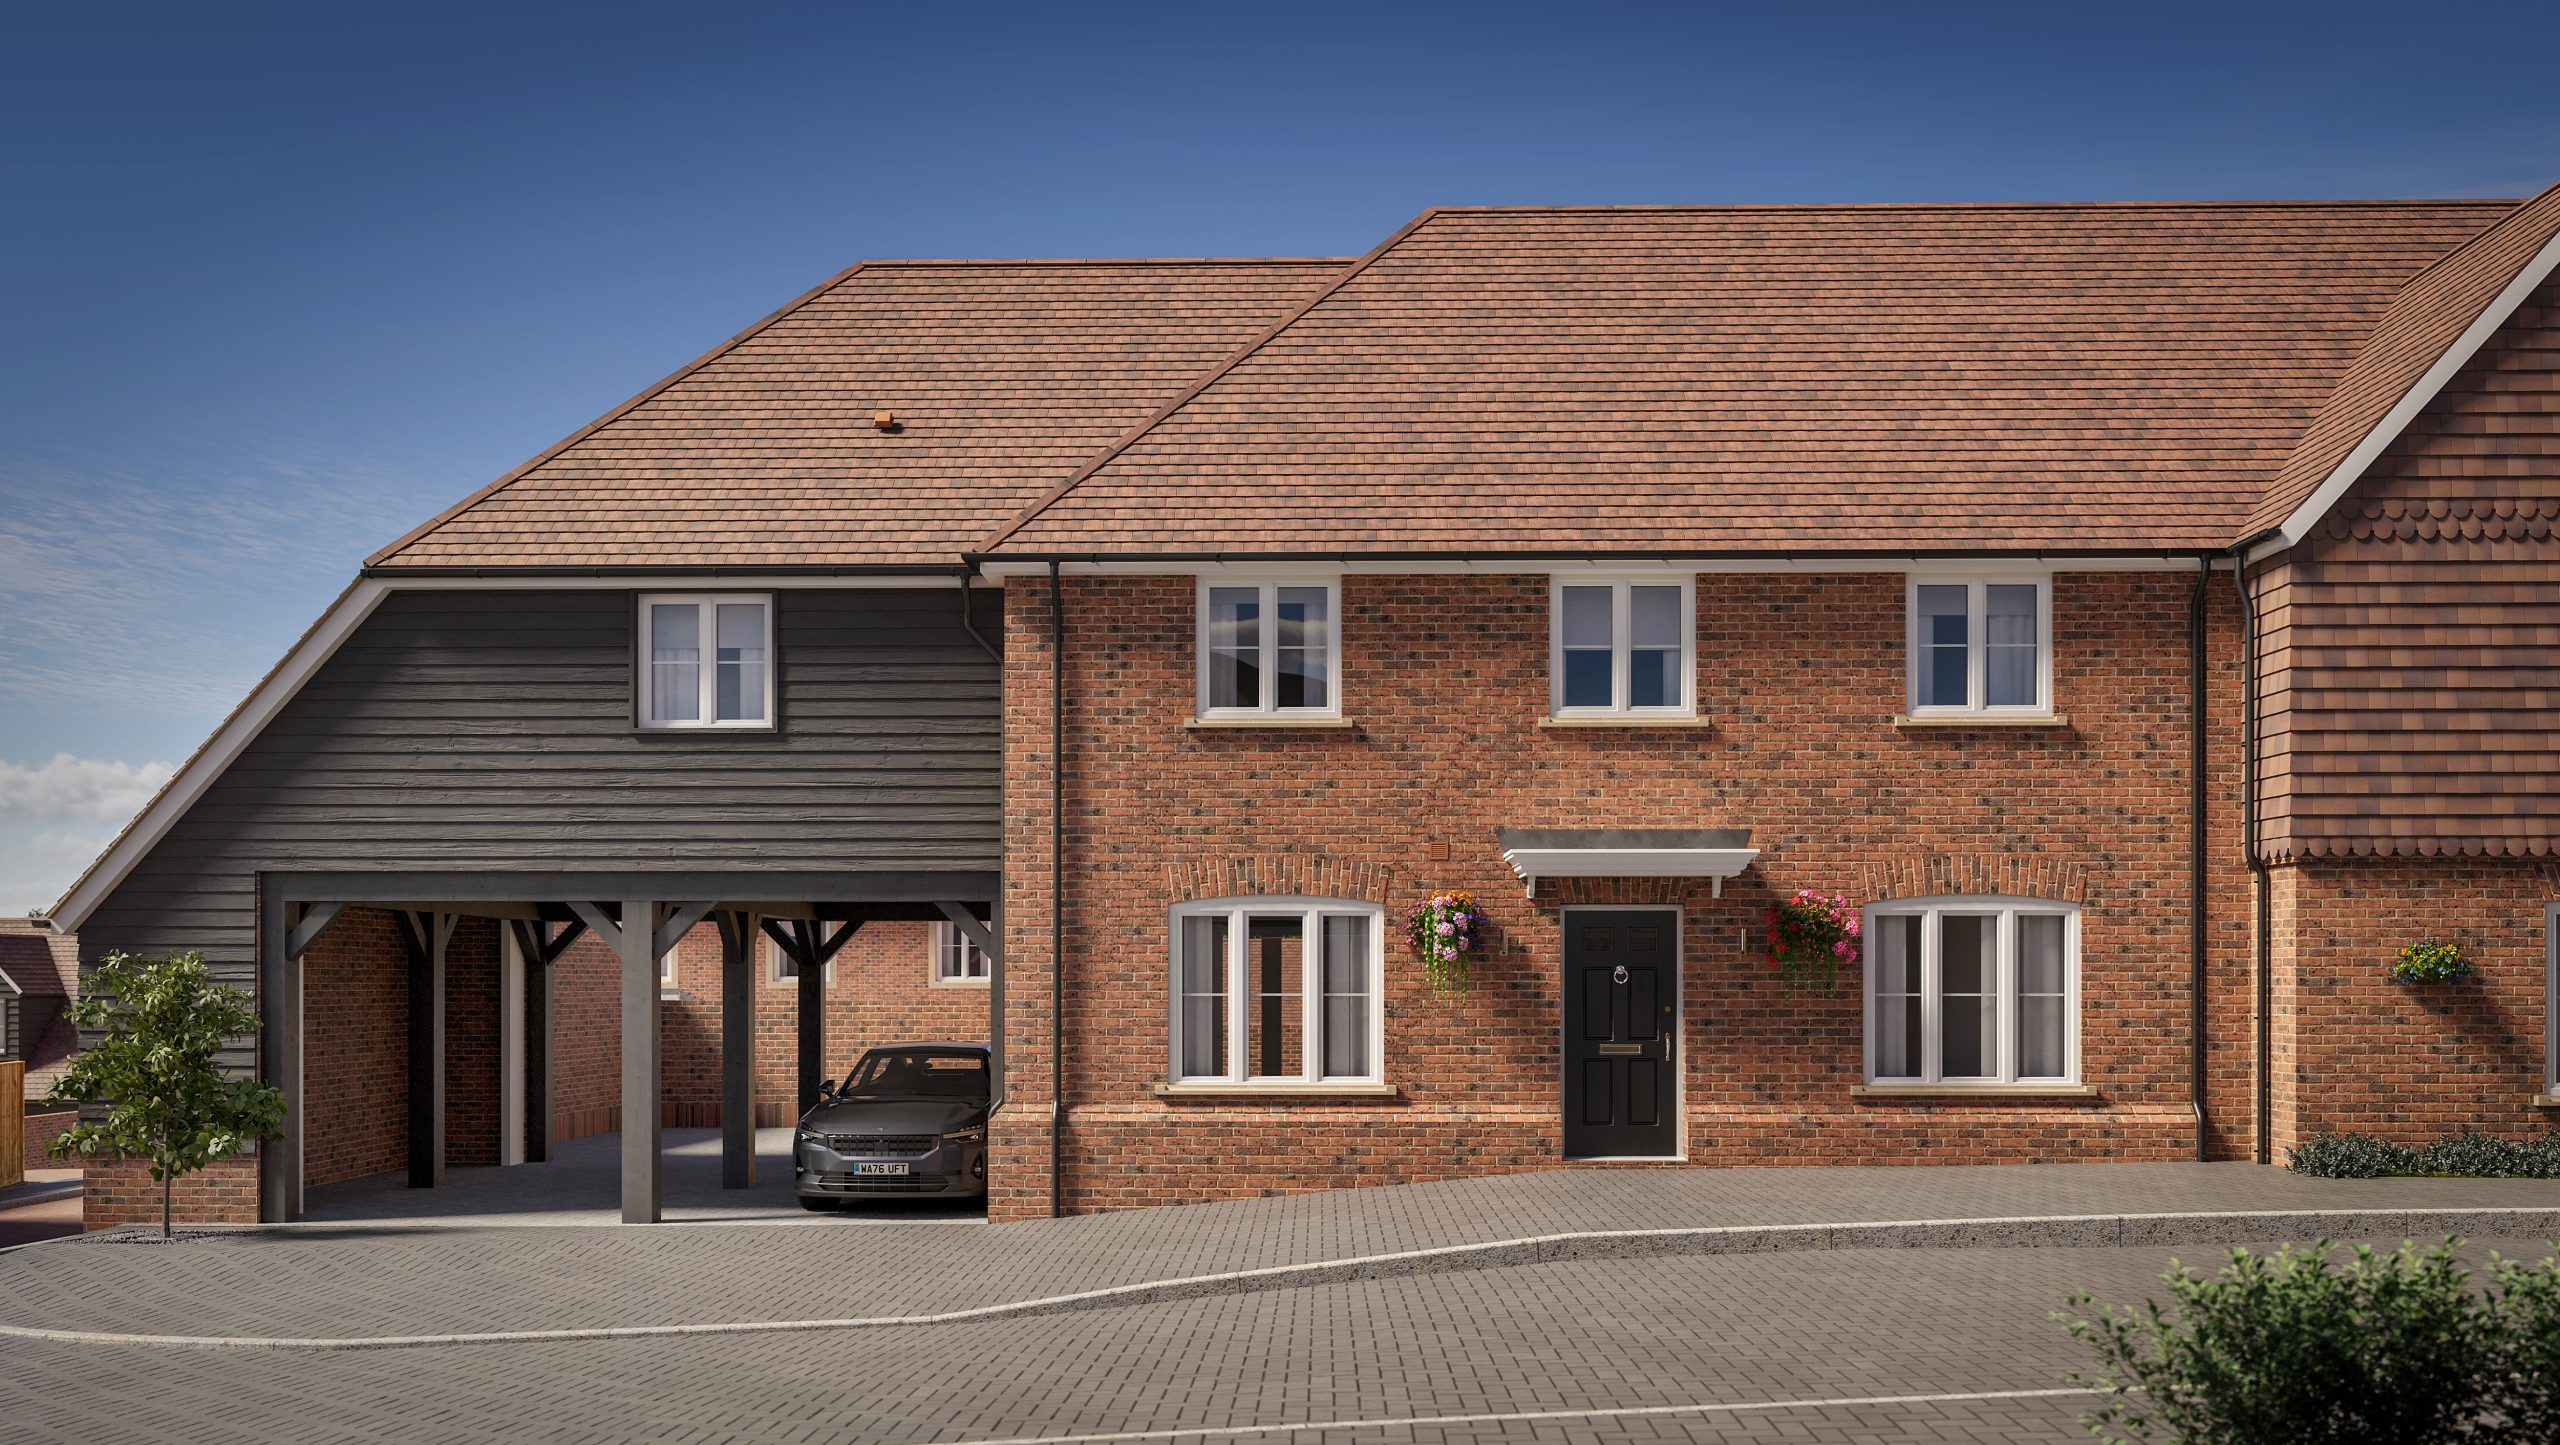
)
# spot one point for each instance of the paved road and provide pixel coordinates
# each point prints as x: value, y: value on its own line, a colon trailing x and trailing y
x: 1605, y: 1341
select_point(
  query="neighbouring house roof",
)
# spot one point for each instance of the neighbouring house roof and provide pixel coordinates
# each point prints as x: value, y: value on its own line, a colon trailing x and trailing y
x: 1001, y: 377
x: 40, y: 964
x: 2411, y: 353
x: 1769, y: 379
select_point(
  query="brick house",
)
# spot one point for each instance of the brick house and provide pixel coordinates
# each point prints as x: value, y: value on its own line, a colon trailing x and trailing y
x: 2138, y: 612
x: 38, y: 972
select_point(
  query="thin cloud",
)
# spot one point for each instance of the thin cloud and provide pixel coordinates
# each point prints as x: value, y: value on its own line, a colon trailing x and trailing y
x: 77, y: 790
x: 36, y: 871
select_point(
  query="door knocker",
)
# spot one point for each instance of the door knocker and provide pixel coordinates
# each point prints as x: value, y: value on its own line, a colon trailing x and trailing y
x: 1619, y: 973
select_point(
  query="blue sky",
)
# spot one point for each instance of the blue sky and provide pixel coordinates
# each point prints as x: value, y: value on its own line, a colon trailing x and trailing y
x: 279, y: 281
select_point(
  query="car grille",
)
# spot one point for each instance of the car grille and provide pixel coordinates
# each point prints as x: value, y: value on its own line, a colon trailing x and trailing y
x: 882, y: 1183
x: 866, y: 1144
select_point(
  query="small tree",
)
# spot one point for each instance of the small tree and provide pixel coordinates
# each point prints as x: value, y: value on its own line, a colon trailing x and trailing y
x: 168, y: 1099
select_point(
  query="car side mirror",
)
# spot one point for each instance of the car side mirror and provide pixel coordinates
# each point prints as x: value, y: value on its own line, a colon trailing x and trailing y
x: 826, y: 1088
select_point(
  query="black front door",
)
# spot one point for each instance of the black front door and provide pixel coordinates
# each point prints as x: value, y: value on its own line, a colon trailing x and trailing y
x: 1621, y: 1001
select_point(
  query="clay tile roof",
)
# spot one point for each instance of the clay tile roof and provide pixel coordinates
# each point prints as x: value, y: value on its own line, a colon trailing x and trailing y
x: 2421, y: 325
x: 1000, y: 377
x: 32, y: 961
x: 1892, y: 378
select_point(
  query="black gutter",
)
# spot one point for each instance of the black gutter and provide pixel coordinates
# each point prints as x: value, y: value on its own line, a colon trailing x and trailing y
x: 1585, y: 554
x: 2196, y: 931
x: 1057, y: 889
x: 804, y: 569
x: 2249, y: 841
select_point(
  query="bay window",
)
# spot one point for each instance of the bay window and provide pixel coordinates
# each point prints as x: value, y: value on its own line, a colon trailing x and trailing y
x: 1276, y: 991
x: 1268, y: 649
x: 1972, y: 991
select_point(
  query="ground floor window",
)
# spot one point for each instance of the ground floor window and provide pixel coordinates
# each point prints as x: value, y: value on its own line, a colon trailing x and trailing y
x: 956, y: 957
x: 1276, y: 990
x: 1973, y: 991
x: 786, y: 969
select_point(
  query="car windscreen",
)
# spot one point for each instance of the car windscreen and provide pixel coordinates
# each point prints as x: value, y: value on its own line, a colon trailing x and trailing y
x: 919, y: 1073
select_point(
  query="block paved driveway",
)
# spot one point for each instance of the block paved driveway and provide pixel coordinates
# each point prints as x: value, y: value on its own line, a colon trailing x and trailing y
x: 1583, y: 1336
x: 1520, y: 1341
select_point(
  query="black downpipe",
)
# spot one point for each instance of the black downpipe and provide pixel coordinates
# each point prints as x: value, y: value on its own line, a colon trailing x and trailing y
x: 2196, y: 931
x: 1057, y: 889
x: 969, y: 624
x: 2249, y: 844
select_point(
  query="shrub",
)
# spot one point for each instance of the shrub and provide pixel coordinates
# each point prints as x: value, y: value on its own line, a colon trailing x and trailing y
x: 2485, y: 1156
x: 2350, y: 1156
x: 2526, y: 1298
x: 2286, y: 1348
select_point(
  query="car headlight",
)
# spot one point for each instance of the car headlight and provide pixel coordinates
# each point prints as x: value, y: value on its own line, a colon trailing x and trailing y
x: 967, y: 1136
x: 811, y: 1136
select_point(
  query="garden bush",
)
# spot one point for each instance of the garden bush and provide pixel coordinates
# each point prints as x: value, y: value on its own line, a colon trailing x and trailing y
x: 2479, y: 1156
x: 2288, y: 1347
x: 2350, y: 1156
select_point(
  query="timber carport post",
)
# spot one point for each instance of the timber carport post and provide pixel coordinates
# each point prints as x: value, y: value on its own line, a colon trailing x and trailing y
x: 641, y: 916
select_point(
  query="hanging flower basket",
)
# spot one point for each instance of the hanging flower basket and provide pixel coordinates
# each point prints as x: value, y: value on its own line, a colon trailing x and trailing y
x: 1810, y: 936
x: 1448, y: 933
x: 2430, y: 961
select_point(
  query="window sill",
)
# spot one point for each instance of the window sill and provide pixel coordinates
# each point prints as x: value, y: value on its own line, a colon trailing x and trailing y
x: 1634, y: 720
x: 1973, y: 1091
x: 1267, y: 1092
x: 2546, y: 1101
x: 1275, y: 720
x: 959, y: 983
x: 1982, y: 720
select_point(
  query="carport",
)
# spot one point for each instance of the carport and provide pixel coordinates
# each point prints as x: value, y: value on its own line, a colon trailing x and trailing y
x: 640, y: 916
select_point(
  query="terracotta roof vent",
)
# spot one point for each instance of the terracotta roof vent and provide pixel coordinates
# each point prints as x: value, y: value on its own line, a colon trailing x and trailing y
x: 887, y: 421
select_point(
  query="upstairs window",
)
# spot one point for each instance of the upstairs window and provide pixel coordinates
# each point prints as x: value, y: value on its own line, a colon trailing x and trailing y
x: 1268, y: 649
x: 956, y: 957
x: 706, y: 661
x: 1622, y: 648
x: 1981, y: 645
x: 1276, y: 991
x: 1972, y: 991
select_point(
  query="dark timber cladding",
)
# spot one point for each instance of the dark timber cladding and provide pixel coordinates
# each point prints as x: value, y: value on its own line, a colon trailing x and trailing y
x: 468, y: 731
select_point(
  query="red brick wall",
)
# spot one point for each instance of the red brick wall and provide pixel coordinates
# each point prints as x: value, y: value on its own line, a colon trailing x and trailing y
x: 1447, y: 678
x: 471, y: 1044
x: 122, y: 1191
x: 355, y: 1051
x: 2358, y: 1051
x: 42, y: 1129
x: 586, y: 1040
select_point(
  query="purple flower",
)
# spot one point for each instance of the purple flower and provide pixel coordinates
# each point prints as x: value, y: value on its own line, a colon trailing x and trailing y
x: 1448, y: 928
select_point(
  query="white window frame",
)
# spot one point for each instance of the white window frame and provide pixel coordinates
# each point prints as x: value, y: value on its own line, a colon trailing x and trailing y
x: 1269, y: 589
x: 1977, y: 643
x: 1621, y: 643
x: 945, y: 934
x: 2004, y: 1018
x: 1312, y: 912
x: 705, y: 605
x: 778, y: 958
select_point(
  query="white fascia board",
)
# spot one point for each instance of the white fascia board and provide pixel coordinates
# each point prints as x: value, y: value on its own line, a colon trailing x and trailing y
x: 1606, y: 566
x: 662, y: 582
x: 236, y: 732
x: 320, y: 644
x: 1629, y: 862
x: 2351, y: 468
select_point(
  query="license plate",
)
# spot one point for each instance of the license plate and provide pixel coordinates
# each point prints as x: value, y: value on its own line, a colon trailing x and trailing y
x: 880, y: 1169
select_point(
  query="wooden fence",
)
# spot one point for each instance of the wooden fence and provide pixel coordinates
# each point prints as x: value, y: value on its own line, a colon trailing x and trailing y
x: 13, y: 1122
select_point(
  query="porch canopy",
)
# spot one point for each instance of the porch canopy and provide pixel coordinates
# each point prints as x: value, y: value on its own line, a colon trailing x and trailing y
x: 1535, y: 853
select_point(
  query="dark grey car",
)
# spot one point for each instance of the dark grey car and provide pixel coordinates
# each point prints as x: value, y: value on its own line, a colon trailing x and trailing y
x: 910, y: 1121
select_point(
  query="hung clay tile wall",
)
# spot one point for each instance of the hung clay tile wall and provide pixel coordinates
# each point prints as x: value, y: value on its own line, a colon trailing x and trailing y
x: 1445, y: 679
x: 2412, y: 644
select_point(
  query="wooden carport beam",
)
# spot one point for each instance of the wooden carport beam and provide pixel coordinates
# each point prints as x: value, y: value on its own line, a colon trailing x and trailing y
x: 541, y: 947
x: 641, y: 935
x: 310, y: 920
x: 738, y: 933
x: 975, y: 928
x: 810, y: 946
x: 425, y: 936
